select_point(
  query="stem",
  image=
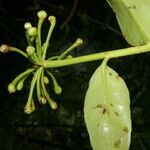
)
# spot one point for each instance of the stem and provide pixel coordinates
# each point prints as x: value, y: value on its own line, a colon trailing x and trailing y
x: 57, y: 88
x: 98, y: 56
x: 21, y: 83
x: 33, y: 82
x: 50, y: 101
x: 52, y: 25
x: 77, y: 43
x: 22, y: 75
x: 14, y: 49
x: 33, y: 59
x: 28, y: 38
x: 70, y: 14
x: 39, y: 38
x: 38, y: 84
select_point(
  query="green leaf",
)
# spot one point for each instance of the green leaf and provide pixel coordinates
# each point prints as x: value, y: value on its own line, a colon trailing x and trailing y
x: 107, y: 111
x: 134, y: 19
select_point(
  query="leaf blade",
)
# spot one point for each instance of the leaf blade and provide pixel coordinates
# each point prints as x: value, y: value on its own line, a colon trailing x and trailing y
x: 106, y: 117
x: 133, y: 18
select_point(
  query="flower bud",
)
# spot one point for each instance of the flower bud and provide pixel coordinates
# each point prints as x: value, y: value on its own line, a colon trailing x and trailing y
x: 79, y: 41
x: 46, y: 80
x: 32, y: 31
x: 69, y: 57
x: 33, y: 106
x: 27, y: 25
x: 30, y: 50
x: 28, y: 110
x: 53, y: 105
x: 42, y: 14
x: 11, y: 88
x: 52, y: 20
x: 57, y: 89
x: 20, y: 85
x: 42, y: 100
x: 5, y: 48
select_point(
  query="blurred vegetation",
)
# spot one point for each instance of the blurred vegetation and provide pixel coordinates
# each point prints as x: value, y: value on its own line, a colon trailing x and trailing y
x: 64, y: 129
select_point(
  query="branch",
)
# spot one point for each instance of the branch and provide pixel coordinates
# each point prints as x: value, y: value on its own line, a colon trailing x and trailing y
x: 109, y: 54
x: 70, y: 14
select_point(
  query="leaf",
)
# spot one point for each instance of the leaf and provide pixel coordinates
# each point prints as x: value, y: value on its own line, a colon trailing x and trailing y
x: 134, y: 19
x: 107, y: 111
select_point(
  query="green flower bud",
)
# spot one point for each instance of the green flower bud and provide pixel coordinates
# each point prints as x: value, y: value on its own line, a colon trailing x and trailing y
x: 30, y: 50
x: 42, y: 14
x: 52, y: 20
x: 69, y: 57
x: 32, y: 31
x: 20, y: 85
x: 53, y: 105
x: 57, y: 89
x: 11, y: 88
x: 33, y: 106
x: 42, y: 100
x: 27, y: 25
x: 46, y: 80
x: 5, y: 48
x: 28, y: 110
x: 79, y: 41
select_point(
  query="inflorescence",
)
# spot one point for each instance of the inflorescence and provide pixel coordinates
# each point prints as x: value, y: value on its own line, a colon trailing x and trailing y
x: 36, y: 54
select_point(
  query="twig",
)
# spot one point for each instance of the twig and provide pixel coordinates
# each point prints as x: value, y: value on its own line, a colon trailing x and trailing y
x: 70, y: 14
x: 105, y: 25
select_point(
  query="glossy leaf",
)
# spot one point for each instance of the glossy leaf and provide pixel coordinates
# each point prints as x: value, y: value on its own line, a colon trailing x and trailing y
x: 134, y: 18
x: 107, y: 111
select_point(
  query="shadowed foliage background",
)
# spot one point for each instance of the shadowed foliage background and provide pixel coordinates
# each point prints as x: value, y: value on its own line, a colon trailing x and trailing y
x: 64, y: 129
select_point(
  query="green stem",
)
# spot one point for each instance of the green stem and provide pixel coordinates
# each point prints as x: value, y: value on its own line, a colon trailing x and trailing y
x: 29, y: 102
x: 21, y: 83
x: 50, y: 101
x: 33, y: 59
x: 39, y: 49
x: 38, y: 83
x: 77, y: 43
x: 47, y: 39
x: 57, y: 88
x: 28, y: 39
x: 97, y: 56
x: 20, y: 76
x: 53, y: 57
x: 14, y: 49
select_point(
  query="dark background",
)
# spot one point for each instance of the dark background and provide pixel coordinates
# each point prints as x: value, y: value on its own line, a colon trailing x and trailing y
x: 64, y: 129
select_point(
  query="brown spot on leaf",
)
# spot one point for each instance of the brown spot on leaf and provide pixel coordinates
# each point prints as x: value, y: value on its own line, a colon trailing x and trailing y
x: 126, y: 130
x: 117, y: 143
x: 99, y: 106
x: 110, y: 73
x: 102, y: 108
x: 132, y: 6
x: 104, y: 111
x: 111, y: 105
x: 116, y: 113
x: 117, y: 77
